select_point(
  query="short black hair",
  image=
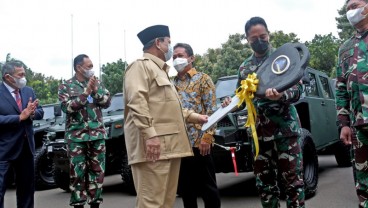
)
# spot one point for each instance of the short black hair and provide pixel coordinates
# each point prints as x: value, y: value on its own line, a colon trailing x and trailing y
x: 78, y: 60
x: 187, y: 47
x: 254, y: 21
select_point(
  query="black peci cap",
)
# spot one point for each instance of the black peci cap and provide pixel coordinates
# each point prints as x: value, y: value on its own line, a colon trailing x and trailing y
x: 155, y: 31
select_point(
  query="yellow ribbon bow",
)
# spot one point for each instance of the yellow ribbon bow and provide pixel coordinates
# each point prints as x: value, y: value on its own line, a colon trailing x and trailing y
x: 246, y: 93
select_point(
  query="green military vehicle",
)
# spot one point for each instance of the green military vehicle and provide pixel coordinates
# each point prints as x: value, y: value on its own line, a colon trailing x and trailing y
x: 316, y: 109
x: 116, y: 158
x: 43, y: 164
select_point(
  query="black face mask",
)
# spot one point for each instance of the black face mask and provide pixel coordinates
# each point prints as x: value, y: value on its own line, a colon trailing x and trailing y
x: 260, y: 46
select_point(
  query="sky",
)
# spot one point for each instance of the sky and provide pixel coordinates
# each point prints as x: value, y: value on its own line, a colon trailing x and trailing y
x: 47, y: 34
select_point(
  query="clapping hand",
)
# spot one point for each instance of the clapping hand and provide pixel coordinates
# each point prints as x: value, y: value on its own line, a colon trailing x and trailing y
x: 92, y: 85
x: 29, y: 110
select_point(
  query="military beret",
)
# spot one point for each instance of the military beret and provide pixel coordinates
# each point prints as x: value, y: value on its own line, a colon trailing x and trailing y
x: 155, y: 31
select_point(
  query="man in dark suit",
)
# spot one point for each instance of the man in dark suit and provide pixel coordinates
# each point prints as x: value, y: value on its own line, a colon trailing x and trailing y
x: 18, y: 108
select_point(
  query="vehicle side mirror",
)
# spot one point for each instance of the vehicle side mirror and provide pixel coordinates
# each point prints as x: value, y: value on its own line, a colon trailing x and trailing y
x: 57, y: 110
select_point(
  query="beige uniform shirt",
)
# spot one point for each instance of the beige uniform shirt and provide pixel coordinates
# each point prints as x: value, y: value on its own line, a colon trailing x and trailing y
x: 152, y: 108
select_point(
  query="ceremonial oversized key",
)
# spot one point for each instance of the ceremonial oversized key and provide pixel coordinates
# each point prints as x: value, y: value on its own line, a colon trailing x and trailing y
x: 283, y: 69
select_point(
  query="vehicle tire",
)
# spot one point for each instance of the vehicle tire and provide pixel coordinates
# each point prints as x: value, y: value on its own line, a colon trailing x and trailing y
x: 342, y: 154
x: 61, y: 179
x: 43, y: 170
x: 310, y: 164
x: 126, y: 175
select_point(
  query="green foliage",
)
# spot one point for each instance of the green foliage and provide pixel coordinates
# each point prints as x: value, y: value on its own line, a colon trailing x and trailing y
x: 223, y: 61
x: 216, y: 62
x: 279, y: 38
x: 323, y: 50
x: 113, y: 76
x: 46, y: 88
x: 345, y: 30
x: 226, y: 60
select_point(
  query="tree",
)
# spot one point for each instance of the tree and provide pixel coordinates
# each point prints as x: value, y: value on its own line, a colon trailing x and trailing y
x: 279, y: 38
x: 323, y: 50
x: 224, y: 61
x: 46, y: 88
x: 113, y: 76
x: 345, y: 30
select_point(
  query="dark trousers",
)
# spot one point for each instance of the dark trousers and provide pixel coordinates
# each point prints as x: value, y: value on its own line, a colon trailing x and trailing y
x: 23, y: 168
x: 360, y: 146
x: 197, y: 178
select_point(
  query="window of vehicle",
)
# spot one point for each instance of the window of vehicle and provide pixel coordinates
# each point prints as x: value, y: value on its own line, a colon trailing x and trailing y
x: 48, y: 112
x: 226, y: 87
x: 311, y: 89
x: 117, y: 103
x: 325, y: 87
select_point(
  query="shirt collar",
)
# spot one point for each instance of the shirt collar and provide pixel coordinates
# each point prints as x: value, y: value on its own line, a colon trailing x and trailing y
x: 11, y: 90
x: 189, y: 74
x: 160, y: 63
x: 192, y: 72
x: 361, y: 35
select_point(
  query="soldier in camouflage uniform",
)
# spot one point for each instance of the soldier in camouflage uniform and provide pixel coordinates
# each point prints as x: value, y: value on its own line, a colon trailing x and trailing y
x: 278, y: 128
x: 352, y: 91
x: 82, y: 98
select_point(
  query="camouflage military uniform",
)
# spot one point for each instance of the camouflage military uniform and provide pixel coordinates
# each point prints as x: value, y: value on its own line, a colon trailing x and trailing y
x: 352, y: 103
x: 84, y: 134
x: 278, y: 130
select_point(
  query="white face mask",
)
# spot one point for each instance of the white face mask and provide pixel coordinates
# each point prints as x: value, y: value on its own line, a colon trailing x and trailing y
x: 20, y: 83
x: 88, y: 73
x: 180, y: 64
x: 355, y: 15
x: 169, y: 53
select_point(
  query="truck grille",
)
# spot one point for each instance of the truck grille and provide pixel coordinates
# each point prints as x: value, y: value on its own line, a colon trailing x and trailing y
x: 225, y: 122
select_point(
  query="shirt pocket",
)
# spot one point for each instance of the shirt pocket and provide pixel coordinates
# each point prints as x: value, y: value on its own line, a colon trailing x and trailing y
x: 168, y: 135
x: 165, y: 90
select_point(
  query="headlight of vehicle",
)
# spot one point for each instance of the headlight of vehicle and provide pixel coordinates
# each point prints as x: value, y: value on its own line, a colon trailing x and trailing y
x: 241, y: 119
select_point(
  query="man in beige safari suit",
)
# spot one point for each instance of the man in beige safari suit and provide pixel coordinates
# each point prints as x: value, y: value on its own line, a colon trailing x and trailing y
x: 155, y: 131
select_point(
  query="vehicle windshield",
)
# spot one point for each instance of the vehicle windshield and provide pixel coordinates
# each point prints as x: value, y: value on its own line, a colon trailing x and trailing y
x: 117, y: 103
x: 226, y: 87
x: 48, y: 112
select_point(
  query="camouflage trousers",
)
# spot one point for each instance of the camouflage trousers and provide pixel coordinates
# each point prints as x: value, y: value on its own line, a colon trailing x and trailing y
x: 361, y: 167
x: 280, y: 159
x: 87, y: 171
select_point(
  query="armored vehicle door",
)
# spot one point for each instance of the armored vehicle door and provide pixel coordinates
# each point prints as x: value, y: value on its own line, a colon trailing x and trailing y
x: 322, y: 113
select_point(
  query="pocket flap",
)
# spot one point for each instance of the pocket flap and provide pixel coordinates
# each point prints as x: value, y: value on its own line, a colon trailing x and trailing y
x: 161, y: 81
x: 167, y: 129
